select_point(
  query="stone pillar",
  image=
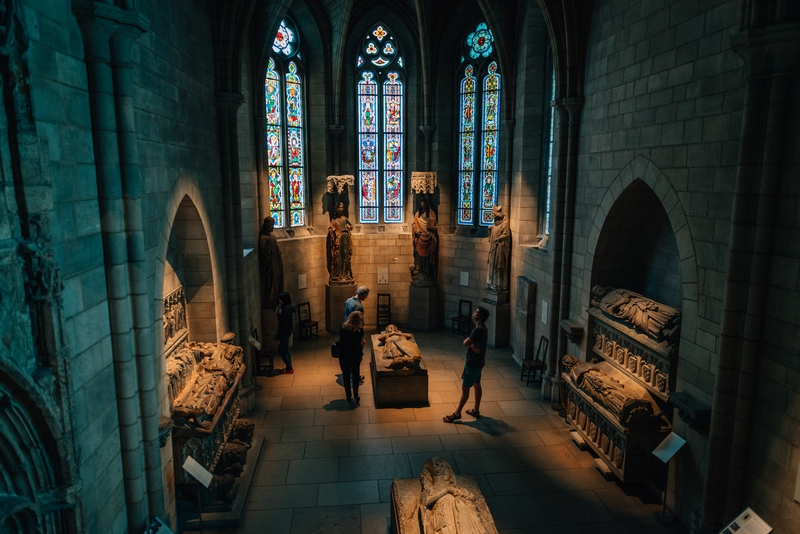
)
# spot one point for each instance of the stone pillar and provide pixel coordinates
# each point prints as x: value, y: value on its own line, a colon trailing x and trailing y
x: 98, y: 22
x: 335, y: 297
x: 499, y: 322
x: 423, y: 307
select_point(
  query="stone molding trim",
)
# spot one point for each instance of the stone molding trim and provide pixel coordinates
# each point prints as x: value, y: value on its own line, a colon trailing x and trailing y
x: 424, y: 182
x: 336, y: 182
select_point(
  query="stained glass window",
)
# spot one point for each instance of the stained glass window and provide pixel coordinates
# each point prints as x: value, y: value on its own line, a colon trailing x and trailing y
x: 380, y: 129
x: 479, y: 131
x: 285, y: 145
x: 549, y: 181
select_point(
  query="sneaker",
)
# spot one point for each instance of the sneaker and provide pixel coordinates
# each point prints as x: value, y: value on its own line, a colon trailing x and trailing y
x: 288, y: 371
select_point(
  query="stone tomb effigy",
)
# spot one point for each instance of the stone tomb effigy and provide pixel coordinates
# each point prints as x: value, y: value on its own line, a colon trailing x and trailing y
x: 203, y: 384
x: 617, y: 402
x: 399, y: 376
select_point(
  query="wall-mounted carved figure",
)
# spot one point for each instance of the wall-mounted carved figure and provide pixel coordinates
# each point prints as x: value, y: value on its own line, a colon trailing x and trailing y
x: 270, y: 265
x: 499, y: 251
x: 340, y: 247
x: 629, y: 403
x: 426, y: 246
x: 658, y: 321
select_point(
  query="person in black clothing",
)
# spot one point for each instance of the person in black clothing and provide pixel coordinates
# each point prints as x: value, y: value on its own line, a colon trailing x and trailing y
x: 351, y: 350
x: 476, y: 359
x: 285, y: 312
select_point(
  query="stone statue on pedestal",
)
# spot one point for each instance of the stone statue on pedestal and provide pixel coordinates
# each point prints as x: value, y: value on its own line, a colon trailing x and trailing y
x: 499, y: 252
x: 426, y: 246
x: 271, y: 265
x: 340, y: 248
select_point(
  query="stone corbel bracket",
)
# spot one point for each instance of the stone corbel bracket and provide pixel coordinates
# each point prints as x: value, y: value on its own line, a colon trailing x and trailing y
x: 336, y: 182
x: 424, y: 182
x: 573, y: 330
x: 692, y: 411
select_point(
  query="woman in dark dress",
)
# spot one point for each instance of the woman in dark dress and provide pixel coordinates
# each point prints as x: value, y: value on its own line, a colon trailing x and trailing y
x: 285, y: 312
x: 351, y: 350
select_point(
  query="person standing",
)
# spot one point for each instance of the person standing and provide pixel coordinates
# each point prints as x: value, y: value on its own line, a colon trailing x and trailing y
x: 285, y: 313
x: 476, y: 359
x: 351, y: 351
x: 354, y: 303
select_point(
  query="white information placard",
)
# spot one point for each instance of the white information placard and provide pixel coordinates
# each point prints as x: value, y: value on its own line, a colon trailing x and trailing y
x: 301, y: 281
x: 667, y: 448
x: 383, y: 275
x: 199, y: 472
x: 464, y: 278
x: 747, y: 522
x: 253, y: 341
x: 544, y: 311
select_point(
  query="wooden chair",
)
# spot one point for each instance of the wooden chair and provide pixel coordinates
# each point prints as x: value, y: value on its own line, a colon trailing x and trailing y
x: 384, y: 309
x: 308, y: 328
x: 461, y: 321
x: 537, y: 363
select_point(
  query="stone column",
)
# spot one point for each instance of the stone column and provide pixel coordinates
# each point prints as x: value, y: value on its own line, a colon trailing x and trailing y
x: 98, y: 22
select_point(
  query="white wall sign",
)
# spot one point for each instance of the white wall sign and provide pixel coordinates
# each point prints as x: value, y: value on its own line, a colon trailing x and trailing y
x: 253, y: 341
x: 747, y: 522
x: 464, y: 278
x: 383, y: 275
x: 544, y: 311
x: 301, y: 281
x: 199, y: 472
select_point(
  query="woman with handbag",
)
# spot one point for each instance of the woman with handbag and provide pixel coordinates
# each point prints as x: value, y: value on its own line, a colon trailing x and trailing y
x: 285, y: 312
x: 351, y: 350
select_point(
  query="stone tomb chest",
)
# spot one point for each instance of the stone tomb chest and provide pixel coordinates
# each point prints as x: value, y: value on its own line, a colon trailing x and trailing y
x: 399, y: 376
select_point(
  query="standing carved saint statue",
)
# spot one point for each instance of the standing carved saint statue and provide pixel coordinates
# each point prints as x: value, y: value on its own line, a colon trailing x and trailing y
x: 271, y: 265
x: 340, y: 248
x: 499, y: 251
x: 426, y: 246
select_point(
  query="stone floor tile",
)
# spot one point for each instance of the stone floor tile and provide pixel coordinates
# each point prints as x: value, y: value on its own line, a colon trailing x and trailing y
x: 289, y: 418
x: 289, y: 391
x: 560, y: 529
x: 484, y: 425
x: 340, y: 432
x: 530, y: 422
x: 580, y: 479
x: 337, y: 404
x: 525, y: 438
x: 542, y: 458
x: 327, y: 449
x: 520, y: 407
x: 622, y: 506
x: 268, y: 403
x: 376, y: 518
x: 434, y: 412
x: 271, y: 472
x: 516, y: 511
x: 256, y: 521
x: 521, y: 483
x: 361, y: 492
x: 444, y: 385
x: 313, y: 471
x: 370, y: 447
x: 341, y: 417
x: 472, y: 462
x: 382, y: 430
x: 283, y: 451
x: 302, y: 433
x: 490, y: 383
x: 427, y: 428
x: 510, y: 372
x: 344, y: 519
x: 374, y: 467
x: 416, y: 444
x: 384, y: 489
x: 445, y: 375
x: 390, y: 415
x: 309, y: 380
x: 462, y: 442
x: 488, y: 409
x: 552, y: 436
x: 503, y: 395
x: 560, y: 507
x: 277, y: 497
x: 453, y: 395
x: 302, y: 403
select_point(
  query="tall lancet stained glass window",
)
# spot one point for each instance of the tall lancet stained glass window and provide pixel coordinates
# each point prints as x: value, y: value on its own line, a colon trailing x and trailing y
x: 285, y: 133
x: 479, y: 130
x: 380, y: 117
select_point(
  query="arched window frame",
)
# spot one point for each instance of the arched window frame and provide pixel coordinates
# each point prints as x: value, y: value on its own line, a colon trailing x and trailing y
x: 479, y: 96
x: 285, y: 123
x: 380, y: 127
x: 546, y: 194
